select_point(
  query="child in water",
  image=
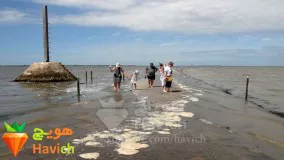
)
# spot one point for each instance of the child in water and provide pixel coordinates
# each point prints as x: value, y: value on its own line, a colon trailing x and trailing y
x: 134, y: 78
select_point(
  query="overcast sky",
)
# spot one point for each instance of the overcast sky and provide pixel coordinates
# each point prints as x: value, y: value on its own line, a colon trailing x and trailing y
x: 199, y: 32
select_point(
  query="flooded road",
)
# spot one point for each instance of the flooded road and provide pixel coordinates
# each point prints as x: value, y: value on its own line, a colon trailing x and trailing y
x: 196, y: 121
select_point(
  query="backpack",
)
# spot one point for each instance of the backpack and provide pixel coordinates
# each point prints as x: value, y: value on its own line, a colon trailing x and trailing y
x: 117, y: 73
x: 151, y: 71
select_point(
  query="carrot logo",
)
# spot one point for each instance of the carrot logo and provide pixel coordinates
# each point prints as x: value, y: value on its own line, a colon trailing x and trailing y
x: 15, y: 138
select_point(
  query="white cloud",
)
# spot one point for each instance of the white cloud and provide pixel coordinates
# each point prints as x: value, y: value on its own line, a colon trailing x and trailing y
x: 91, y: 37
x: 188, y: 16
x: 266, y: 39
x: 138, y: 40
x: 169, y: 44
x: 116, y: 34
x: 10, y: 15
x: 187, y: 42
x: 91, y: 4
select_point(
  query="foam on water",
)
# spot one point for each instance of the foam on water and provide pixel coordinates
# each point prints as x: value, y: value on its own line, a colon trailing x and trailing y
x: 206, y: 121
x: 182, y: 101
x: 125, y: 151
x: 116, y: 130
x: 130, y: 146
x: 93, y: 144
x: 185, y: 96
x: 175, y: 109
x: 186, y: 88
x: 197, y: 90
x: 198, y: 94
x: 70, y: 90
x: 129, y: 140
x: 94, y: 155
x: 106, y: 131
x: 194, y: 99
x: 148, y: 129
x: 163, y: 132
x: 186, y: 114
x: 85, y: 90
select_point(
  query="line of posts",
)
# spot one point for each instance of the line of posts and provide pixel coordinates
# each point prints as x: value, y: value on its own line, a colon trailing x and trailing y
x: 91, y: 77
x: 78, y: 81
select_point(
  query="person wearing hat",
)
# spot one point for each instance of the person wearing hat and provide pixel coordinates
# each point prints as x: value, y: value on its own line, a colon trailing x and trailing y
x: 117, y: 76
x: 134, y: 78
x: 168, y: 76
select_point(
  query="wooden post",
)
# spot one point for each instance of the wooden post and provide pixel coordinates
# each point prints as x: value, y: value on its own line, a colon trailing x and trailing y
x: 78, y: 86
x: 92, y: 76
x: 86, y: 77
x: 79, y: 98
x: 45, y: 33
x: 247, y: 88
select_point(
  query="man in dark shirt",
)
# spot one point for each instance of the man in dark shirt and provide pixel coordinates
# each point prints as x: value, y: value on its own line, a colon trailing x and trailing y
x: 150, y: 72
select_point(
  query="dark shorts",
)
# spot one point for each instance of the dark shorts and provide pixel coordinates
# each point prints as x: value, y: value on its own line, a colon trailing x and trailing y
x: 168, y: 84
x: 117, y: 79
x: 151, y: 77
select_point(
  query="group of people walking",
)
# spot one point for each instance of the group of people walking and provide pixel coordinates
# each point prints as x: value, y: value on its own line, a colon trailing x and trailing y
x: 166, y: 76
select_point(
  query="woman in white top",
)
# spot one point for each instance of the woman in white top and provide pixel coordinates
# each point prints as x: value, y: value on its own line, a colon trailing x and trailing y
x: 162, y: 77
x: 168, y: 76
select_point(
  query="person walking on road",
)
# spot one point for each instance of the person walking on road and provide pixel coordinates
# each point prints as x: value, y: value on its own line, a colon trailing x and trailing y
x: 117, y: 76
x: 150, y: 72
x: 162, y: 75
x: 168, y: 76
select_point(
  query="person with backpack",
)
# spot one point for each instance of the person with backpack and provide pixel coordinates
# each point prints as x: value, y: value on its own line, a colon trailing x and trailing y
x: 118, y: 72
x: 150, y: 72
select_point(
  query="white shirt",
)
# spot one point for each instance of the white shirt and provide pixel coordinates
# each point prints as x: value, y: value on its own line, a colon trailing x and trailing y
x: 134, y: 77
x: 168, y: 71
